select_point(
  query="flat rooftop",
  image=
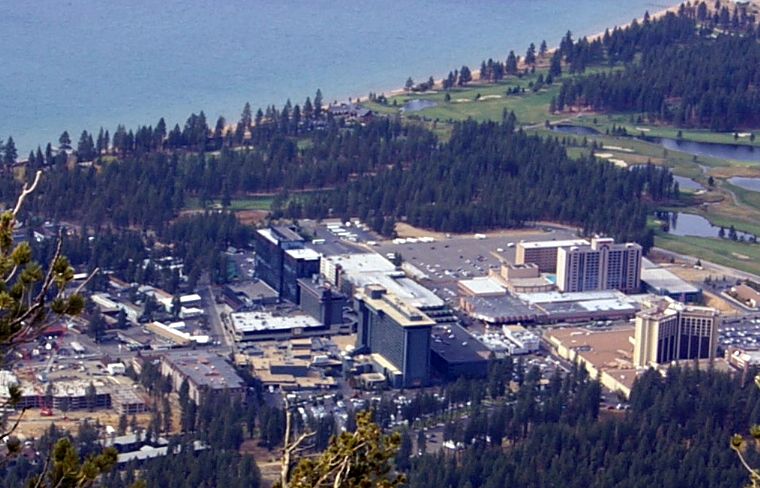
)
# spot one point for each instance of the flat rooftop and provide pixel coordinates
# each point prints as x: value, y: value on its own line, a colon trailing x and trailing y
x: 606, y: 349
x: 455, y: 345
x: 254, y: 289
x: 549, y: 244
x: 590, y: 306
x: 582, y: 296
x: 361, y: 263
x: 282, y: 232
x: 205, y: 369
x: 251, y: 322
x: 663, y: 280
x: 501, y: 309
x: 306, y: 254
x: 483, y: 286
x: 396, y: 283
x: 398, y: 309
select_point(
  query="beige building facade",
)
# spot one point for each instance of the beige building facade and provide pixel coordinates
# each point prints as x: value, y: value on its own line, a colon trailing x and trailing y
x: 671, y: 331
x: 602, y: 265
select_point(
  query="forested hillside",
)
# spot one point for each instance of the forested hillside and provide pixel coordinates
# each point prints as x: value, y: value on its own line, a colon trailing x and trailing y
x: 486, y: 175
x: 704, y: 77
x: 676, y: 435
x: 490, y: 175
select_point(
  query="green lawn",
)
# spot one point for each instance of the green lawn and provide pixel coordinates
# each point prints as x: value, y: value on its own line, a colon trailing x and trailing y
x: 740, y: 255
x: 263, y: 202
x: 529, y: 107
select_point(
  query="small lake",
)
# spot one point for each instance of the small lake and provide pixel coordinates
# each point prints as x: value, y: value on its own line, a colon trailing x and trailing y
x: 575, y: 129
x: 740, y: 152
x: 686, y: 224
x: 417, y: 105
x: 746, y: 183
x: 685, y: 183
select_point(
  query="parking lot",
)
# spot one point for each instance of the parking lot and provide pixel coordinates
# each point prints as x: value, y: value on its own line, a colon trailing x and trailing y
x: 743, y: 333
x: 442, y: 263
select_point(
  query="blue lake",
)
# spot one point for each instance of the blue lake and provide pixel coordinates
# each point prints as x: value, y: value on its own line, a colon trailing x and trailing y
x: 740, y: 152
x: 746, y: 183
x: 685, y: 224
x: 685, y: 183
x: 83, y: 64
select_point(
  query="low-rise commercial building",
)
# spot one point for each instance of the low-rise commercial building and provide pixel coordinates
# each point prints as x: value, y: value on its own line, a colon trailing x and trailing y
x: 606, y: 354
x: 206, y: 374
x: 268, y: 326
x: 659, y: 281
x: 455, y: 352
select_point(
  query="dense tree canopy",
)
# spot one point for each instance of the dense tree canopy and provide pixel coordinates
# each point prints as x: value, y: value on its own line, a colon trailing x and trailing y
x: 676, y: 434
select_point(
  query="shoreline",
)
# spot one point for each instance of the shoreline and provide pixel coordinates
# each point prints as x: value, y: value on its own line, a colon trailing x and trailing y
x: 28, y: 133
x: 476, y: 72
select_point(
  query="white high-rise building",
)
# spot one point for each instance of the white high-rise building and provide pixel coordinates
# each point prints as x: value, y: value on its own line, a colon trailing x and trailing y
x: 602, y: 265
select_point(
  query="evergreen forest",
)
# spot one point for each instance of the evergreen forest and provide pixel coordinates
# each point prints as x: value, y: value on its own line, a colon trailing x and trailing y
x: 675, y: 434
x: 688, y: 70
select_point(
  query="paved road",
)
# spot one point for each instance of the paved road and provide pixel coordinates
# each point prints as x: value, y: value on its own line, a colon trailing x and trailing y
x: 218, y: 332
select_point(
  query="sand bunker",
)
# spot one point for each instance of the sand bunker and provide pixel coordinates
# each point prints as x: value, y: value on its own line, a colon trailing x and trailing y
x: 462, y: 100
x: 603, y: 155
x: 489, y: 97
x: 618, y: 162
x: 618, y: 148
x: 642, y: 129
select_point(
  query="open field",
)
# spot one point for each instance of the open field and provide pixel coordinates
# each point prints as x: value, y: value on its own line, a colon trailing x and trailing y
x: 481, y: 101
x: 734, y: 254
x: 33, y: 425
x: 262, y: 202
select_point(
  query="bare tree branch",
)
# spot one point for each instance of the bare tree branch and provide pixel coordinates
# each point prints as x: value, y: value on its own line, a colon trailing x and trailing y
x: 5, y: 434
x: 25, y: 192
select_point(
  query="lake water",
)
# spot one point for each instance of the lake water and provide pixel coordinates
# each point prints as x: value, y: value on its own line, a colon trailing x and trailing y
x: 685, y: 224
x: 746, y: 183
x: 83, y: 64
x: 685, y: 183
x: 741, y: 152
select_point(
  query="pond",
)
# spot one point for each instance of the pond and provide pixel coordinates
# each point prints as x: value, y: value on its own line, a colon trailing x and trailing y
x: 740, y: 152
x: 575, y: 129
x: 746, y: 183
x: 686, y: 224
x: 417, y: 105
x: 685, y: 183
